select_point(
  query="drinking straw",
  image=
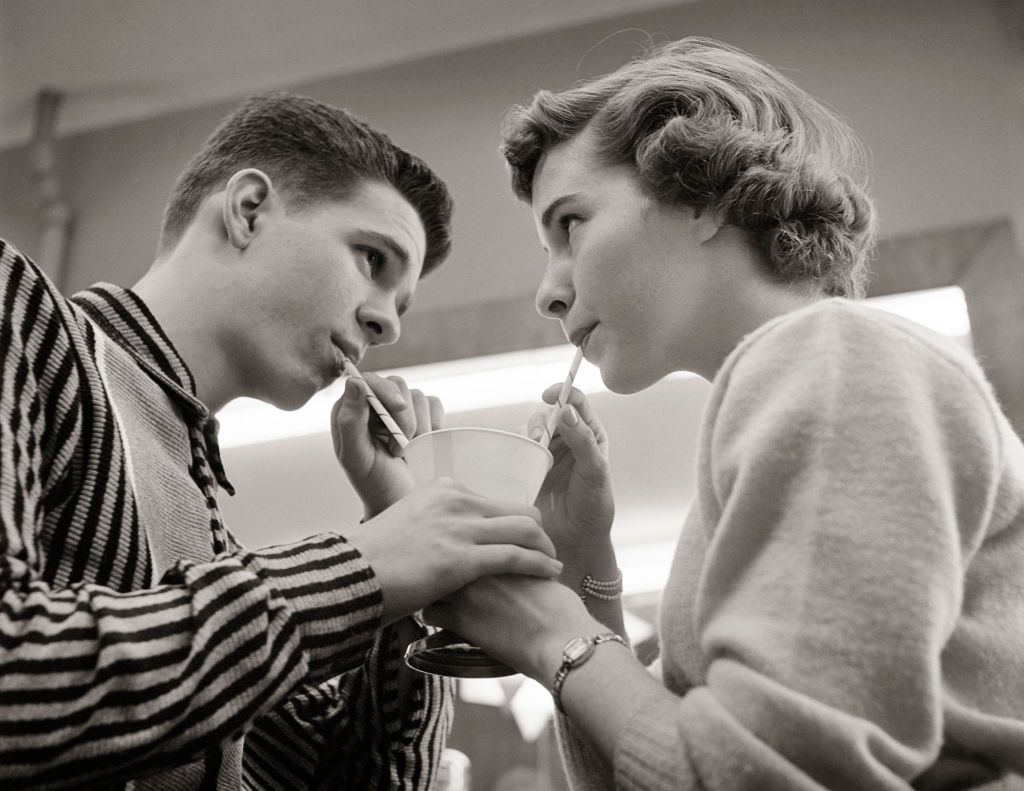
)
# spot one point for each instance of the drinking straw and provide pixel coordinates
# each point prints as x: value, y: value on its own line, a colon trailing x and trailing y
x: 563, y: 396
x: 378, y: 407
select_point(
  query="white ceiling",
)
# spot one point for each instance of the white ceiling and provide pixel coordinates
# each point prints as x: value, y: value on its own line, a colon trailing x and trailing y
x: 123, y: 60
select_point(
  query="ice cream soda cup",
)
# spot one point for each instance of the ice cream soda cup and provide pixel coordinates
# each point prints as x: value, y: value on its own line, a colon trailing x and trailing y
x: 496, y: 464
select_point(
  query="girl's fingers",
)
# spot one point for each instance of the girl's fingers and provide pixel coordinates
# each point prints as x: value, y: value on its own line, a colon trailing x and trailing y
x: 583, y: 407
x: 437, y: 614
x: 575, y: 397
x: 584, y: 444
x: 537, y: 423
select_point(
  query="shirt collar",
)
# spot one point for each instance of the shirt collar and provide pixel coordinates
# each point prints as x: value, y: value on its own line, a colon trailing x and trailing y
x: 123, y: 316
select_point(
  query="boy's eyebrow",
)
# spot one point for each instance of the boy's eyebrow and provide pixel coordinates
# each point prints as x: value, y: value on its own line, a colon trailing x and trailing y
x: 398, y: 252
x: 545, y: 219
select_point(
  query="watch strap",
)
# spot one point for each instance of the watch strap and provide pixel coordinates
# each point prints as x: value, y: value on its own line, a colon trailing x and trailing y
x: 575, y: 653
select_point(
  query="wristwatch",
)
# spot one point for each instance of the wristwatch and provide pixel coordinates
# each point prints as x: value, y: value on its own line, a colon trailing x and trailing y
x: 576, y: 652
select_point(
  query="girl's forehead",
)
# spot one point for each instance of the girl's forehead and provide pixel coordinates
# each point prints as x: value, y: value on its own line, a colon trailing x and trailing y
x: 570, y: 166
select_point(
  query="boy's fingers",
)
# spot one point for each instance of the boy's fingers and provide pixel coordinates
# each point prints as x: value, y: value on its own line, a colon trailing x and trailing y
x: 436, y: 412
x: 407, y: 415
x: 389, y: 391
x: 349, y: 411
x: 421, y: 408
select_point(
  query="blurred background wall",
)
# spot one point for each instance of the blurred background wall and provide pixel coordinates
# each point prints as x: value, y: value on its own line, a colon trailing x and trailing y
x: 935, y: 88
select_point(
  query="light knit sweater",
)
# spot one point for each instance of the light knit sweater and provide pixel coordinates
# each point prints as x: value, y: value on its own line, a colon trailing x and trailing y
x: 846, y: 605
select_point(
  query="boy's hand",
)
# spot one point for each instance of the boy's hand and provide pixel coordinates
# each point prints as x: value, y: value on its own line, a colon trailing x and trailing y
x: 442, y: 537
x: 369, y: 455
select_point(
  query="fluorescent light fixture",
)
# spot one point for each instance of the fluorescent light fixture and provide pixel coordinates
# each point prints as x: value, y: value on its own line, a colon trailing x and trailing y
x: 519, y: 377
x: 645, y: 567
x: 943, y: 310
x: 462, y: 386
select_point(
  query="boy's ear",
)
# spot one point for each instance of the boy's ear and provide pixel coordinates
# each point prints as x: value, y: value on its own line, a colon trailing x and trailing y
x: 248, y: 195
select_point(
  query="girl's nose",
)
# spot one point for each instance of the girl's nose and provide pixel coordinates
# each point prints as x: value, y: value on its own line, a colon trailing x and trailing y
x: 554, y: 296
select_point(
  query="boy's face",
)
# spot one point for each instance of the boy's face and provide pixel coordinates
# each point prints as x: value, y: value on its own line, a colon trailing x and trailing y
x: 323, y: 281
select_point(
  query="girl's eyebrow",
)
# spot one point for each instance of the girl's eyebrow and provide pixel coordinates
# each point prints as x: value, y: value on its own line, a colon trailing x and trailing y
x: 549, y: 212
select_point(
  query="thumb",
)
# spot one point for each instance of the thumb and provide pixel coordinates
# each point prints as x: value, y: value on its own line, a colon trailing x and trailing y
x: 349, y: 416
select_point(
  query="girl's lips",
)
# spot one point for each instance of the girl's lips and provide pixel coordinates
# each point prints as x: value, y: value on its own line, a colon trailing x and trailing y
x: 585, y: 341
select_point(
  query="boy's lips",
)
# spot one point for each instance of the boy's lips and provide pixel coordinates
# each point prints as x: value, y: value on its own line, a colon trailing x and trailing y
x: 344, y: 350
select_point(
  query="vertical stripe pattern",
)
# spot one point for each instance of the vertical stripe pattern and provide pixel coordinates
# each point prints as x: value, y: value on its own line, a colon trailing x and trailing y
x: 265, y: 669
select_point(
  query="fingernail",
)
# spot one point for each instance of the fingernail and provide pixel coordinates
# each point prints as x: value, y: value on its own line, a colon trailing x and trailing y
x: 536, y: 433
x: 570, y: 416
x: 558, y: 565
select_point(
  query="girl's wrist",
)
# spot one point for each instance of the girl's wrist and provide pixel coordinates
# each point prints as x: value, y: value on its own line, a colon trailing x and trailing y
x: 598, y: 560
x: 548, y: 654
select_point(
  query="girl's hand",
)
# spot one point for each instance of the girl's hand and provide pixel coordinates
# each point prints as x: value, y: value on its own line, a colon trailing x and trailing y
x: 522, y: 621
x: 575, y: 501
x: 369, y: 455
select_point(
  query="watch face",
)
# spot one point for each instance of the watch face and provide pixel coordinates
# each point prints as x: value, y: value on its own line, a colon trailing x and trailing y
x: 577, y: 648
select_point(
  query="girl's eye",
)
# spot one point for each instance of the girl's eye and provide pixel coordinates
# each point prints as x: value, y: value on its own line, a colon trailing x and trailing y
x: 568, y: 222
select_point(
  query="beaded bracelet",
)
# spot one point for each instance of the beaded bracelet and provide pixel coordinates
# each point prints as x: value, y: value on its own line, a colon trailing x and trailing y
x: 605, y: 590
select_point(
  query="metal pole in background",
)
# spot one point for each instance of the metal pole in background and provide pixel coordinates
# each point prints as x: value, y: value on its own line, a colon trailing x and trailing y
x: 55, y: 214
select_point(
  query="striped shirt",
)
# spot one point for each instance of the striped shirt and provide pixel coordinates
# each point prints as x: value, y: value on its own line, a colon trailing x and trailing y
x: 141, y: 646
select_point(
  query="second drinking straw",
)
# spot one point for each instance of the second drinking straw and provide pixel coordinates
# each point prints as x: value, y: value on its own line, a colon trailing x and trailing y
x: 378, y: 407
x: 563, y: 396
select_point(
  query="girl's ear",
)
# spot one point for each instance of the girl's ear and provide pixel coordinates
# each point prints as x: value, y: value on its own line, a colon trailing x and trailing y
x: 706, y: 226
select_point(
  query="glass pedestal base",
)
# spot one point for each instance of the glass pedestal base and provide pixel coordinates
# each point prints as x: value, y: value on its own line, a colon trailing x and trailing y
x: 446, y: 654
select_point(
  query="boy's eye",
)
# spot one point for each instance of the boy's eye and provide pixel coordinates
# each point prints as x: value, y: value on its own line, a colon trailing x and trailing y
x: 374, y: 258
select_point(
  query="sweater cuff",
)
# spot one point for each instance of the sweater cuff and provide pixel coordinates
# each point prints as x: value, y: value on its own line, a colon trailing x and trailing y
x: 334, y: 597
x: 650, y: 755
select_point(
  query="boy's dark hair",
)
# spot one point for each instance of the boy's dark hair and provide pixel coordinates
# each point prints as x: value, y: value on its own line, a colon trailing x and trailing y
x: 313, y: 152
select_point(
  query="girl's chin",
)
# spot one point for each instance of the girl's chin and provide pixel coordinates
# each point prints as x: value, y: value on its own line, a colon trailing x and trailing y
x: 623, y: 382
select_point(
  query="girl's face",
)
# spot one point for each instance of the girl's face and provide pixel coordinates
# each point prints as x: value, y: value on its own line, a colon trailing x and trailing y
x: 628, y: 277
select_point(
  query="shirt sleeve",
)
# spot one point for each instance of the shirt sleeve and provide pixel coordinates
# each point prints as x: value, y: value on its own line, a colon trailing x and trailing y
x: 847, y: 480
x: 98, y: 685
x: 349, y: 732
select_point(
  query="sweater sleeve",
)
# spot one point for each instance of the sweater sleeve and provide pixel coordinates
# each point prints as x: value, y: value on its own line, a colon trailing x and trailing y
x: 848, y: 474
x: 99, y: 685
x: 349, y: 731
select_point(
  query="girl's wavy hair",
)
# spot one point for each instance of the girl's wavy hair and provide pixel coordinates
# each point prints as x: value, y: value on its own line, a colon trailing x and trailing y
x: 711, y: 127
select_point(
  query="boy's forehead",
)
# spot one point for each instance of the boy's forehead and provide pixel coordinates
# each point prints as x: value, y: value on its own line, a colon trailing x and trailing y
x: 381, y: 209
